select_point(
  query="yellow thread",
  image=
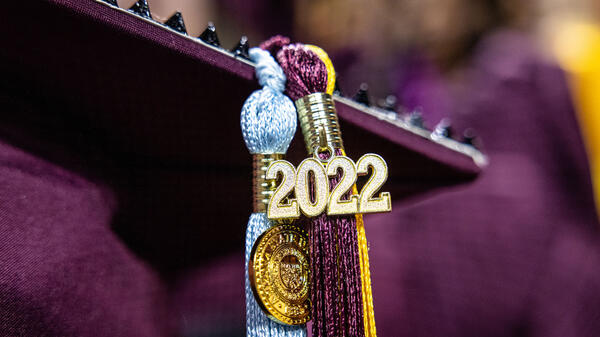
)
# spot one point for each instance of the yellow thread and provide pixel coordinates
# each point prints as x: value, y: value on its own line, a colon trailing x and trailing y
x: 365, y: 275
x: 328, y: 65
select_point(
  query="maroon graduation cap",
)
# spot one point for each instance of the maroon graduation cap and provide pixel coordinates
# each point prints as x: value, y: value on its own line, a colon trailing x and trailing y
x: 120, y: 146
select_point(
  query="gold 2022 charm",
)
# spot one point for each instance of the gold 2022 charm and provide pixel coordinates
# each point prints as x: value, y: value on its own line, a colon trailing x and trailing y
x: 279, y: 274
x: 281, y: 206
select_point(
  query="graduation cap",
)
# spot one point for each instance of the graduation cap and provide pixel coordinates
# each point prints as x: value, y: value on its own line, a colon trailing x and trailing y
x: 131, y: 127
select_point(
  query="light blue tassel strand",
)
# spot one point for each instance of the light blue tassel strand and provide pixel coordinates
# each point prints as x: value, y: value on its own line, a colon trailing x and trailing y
x: 268, y: 122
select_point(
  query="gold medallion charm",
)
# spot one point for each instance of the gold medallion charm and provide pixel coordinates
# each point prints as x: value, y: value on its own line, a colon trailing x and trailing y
x: 279, y: 274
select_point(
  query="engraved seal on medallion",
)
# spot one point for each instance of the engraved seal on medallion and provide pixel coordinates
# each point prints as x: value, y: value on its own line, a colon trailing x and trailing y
x: 279, y: 274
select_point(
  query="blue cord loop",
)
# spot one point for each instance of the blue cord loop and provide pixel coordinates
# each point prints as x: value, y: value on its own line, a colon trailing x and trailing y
x: 268, y: 71
x: 268, y: 122
x: 268, y: 118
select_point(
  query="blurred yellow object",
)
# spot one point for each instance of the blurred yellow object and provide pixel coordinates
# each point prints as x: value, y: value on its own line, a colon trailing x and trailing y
x: 577, y: 47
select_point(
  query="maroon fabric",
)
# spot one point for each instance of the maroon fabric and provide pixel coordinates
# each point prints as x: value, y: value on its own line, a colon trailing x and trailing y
x: 516, y: 252
x: 64, y: 272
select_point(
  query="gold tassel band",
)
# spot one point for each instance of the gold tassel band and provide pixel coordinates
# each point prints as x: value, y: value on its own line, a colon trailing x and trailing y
x: 262, y: 189
x: 317, y: 116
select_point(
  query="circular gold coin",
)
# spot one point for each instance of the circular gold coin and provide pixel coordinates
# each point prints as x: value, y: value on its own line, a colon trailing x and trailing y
x: 279, y: 274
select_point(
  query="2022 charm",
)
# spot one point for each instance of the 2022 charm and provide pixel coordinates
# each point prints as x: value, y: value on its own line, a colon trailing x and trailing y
x: 298, y: 180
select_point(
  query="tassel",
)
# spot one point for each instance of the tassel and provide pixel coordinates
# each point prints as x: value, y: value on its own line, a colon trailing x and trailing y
x: 268, y: 122
x: 341, y: 298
